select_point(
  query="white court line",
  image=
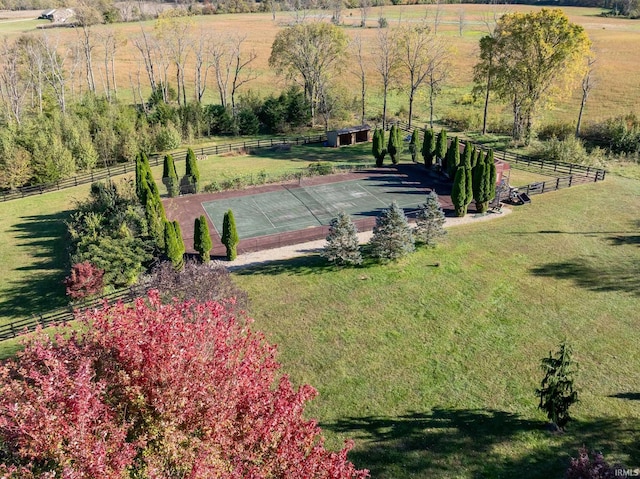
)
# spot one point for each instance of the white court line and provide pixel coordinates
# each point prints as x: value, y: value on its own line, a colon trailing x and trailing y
x: 263, y: 213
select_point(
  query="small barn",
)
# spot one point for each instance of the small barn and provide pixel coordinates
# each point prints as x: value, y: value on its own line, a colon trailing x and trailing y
x: 349, y: 136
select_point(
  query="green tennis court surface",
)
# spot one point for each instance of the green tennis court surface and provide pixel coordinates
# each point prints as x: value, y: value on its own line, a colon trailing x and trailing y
x: 296, y: 208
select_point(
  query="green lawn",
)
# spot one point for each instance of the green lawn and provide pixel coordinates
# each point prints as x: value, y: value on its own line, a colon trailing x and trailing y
x: 34, y: 252
x: 432, y: 369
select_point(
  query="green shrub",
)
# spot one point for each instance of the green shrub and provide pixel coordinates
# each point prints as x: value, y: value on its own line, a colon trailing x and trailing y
x: 168, y: 138
x: 558, y: 130
x: 571, y: 150
x: 320, y: 168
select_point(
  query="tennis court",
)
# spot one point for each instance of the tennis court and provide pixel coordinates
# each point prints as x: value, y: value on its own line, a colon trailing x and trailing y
x: 296, y: 207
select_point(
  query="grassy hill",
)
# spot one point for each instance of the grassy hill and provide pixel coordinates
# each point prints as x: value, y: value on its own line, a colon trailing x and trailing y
x: 433, y: 369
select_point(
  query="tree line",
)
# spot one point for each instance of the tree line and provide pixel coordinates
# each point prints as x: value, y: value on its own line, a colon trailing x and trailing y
x: 65, y: 93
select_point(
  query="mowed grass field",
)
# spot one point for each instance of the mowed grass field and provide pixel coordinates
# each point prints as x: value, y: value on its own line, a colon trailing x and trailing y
x: 432, y: 370
x: 616, y: 42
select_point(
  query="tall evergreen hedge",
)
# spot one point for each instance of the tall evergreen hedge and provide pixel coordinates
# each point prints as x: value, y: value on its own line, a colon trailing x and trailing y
x: 395, y: 144
x: 170, y: 176
x: 230, y: 235
x: 428, y: 147
x: 192, y: 172
x: 441, y: 148
x: 202, y: 239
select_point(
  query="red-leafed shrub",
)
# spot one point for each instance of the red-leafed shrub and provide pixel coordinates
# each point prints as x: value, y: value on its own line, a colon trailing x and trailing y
x: 158, y: 391
x: 584, y: 467
x: 84, y: 280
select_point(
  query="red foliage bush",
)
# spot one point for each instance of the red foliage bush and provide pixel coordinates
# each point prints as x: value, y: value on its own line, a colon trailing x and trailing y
x: 84, y: 280
x: 158, y: 391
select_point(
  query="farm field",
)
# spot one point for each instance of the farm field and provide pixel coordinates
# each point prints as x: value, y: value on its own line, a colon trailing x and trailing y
x: 615, y: 41
x: 432, y: 370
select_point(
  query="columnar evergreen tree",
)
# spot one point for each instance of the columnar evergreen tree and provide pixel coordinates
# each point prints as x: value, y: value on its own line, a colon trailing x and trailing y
x: 474, y: 157
x: 192, y: 172
x: 170, y: 176
x: 468, y: 184
x: 230, y: 235
x: 467, y: 155
x: 342, y: 242
x: 413, y: 145
x: 459, y: 192
x: 174, y: 245
x: 395, y: 144
x: 143, y: 172
x: 378, y: 148
x: 392, y: 235
x: 453, y: 157
x: 202, y: 239
x: 441, y: 148
x: 430, y: 221
x: 428, y: 147
x: 556, y: 390
x: 493, y: 174
x: 480, y: 193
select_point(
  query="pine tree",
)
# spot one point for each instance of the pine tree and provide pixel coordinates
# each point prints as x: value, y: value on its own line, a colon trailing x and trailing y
x: 170, y: 176
x: 453, y: 157
x: 378, y: 149
x: 230, y: 235
x: 441, y: 148
x: 430, y: 221
x: 459, y: 192
x: 413, y: 148
x: 192, y: 172
x: 342, y: 242
x: 428, y: 147
x: 202, y: 239
x: 556, y: 389
x: 392, y: 235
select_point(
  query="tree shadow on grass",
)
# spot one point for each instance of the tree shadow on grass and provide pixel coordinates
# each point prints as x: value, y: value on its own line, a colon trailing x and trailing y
x: 303, y: 265
x: 476, y: 443
x: 600, y: 277
x: 39, y: 287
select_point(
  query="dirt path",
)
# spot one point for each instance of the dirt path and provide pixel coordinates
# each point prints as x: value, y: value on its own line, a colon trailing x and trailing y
x: 286, y: 252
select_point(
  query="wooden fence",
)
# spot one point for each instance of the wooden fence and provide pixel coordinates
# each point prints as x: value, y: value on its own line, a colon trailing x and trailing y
x: 154, y: 160
x: 63, y: 315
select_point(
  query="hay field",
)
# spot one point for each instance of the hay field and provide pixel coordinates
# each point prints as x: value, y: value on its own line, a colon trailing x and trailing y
x: 615, y: 42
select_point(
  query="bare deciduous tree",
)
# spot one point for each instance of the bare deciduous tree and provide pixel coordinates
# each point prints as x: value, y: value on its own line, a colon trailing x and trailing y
x: 360, y: 72
x: 13, y: 86
x: 587, y: 85
x: 386, y: 64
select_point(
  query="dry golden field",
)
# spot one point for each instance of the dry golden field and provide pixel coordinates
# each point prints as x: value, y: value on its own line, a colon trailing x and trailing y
x: 616, y: 43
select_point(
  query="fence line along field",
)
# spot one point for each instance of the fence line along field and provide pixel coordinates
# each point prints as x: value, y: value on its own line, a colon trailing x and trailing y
x: 616, y: 42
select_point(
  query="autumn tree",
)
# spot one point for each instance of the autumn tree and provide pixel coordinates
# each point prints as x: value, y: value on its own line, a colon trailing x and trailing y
x: 202, y: 239
x: 530, y: 57
x: 430, y: 221
x: 158, y: 390
x: 392, y: 236
x: 84, y: 280
x: 308, y: 53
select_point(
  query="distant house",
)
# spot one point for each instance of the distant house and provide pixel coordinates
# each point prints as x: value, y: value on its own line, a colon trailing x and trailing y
x: 57, y: 15
x: 349, y: 136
